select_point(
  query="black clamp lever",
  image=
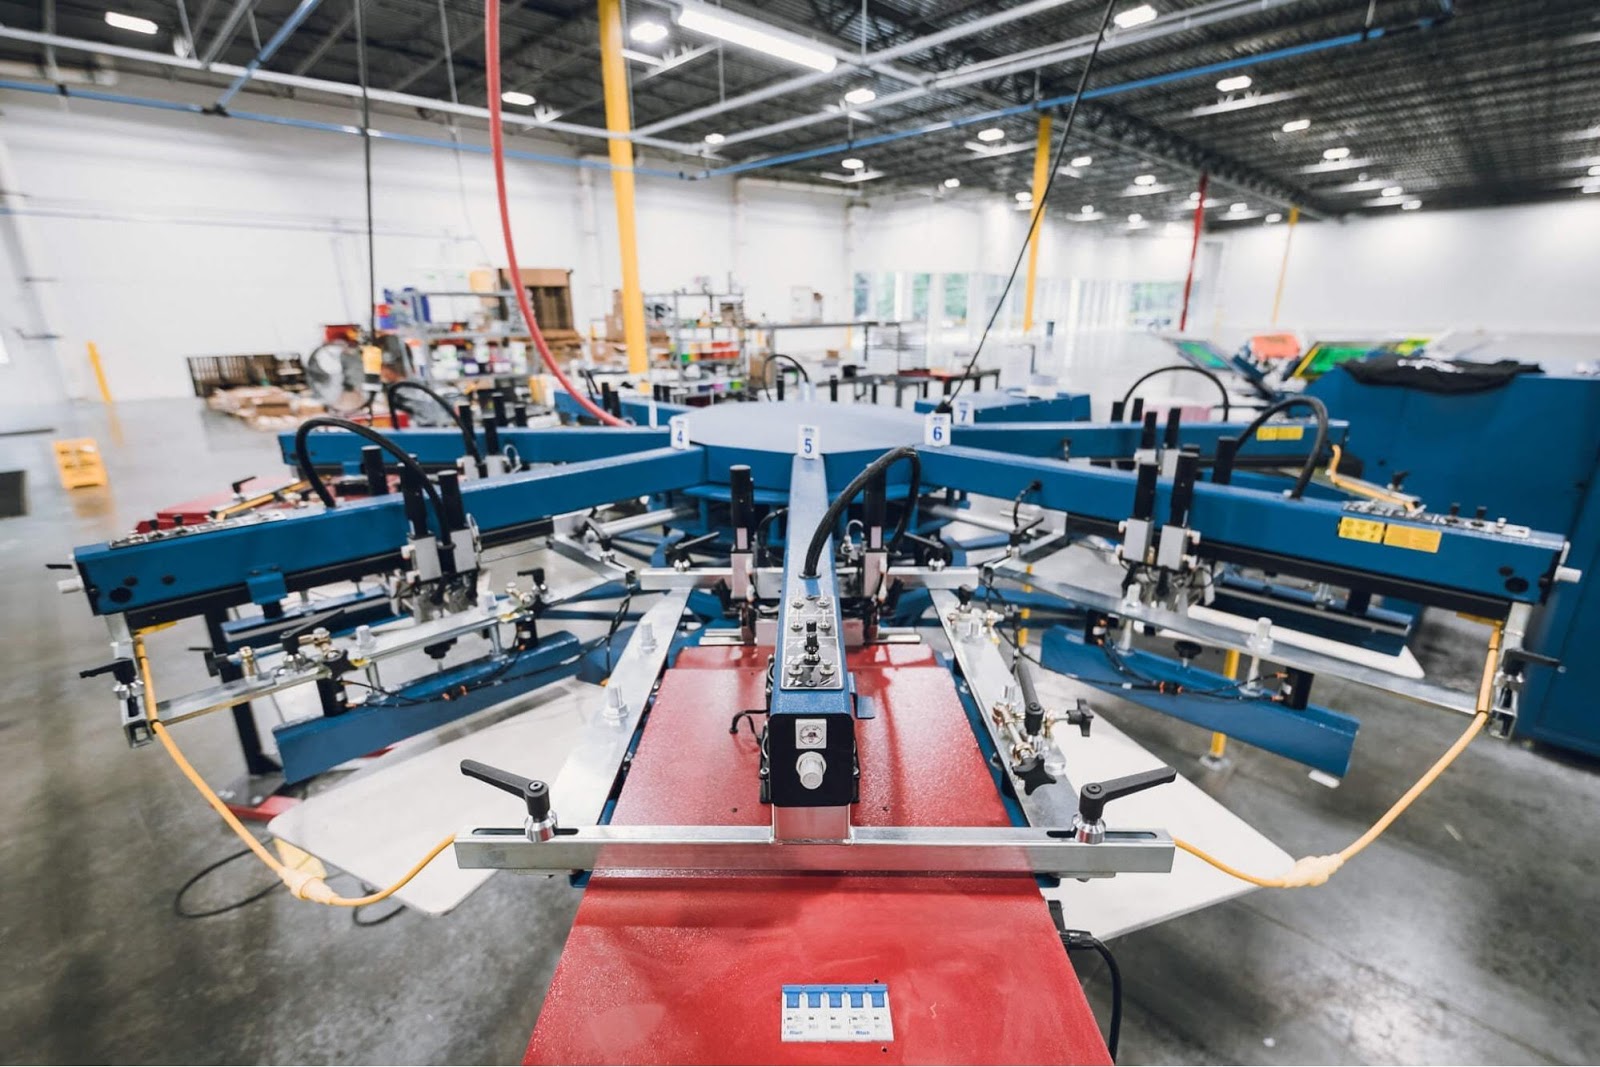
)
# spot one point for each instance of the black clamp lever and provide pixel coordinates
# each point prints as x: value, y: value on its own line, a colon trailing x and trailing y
x: 541, y: 825
x: 1089, y: 824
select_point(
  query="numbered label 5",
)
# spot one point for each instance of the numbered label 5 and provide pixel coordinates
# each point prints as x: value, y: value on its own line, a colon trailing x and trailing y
x: 678, y: 429
x: 810, y: 444
x: 936, y: 431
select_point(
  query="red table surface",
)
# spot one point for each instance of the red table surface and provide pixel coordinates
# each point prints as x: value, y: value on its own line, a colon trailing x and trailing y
x: 690, y: 970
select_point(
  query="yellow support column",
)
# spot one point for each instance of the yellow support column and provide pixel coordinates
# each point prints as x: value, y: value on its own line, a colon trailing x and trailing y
x: 1041, y: 178
x: 1219, y: 742
x: 99, y: 372
x: 619, y: 123
x: 1283, y: 270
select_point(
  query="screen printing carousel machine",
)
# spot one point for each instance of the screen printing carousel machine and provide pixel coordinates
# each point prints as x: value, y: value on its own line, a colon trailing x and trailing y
x: 823, y: 802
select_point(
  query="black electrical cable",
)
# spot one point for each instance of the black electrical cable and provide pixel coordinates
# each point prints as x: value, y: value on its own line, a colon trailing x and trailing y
x: 616, y: 624
x: 748, y: 717
x: 302, y: 456
x: 946, y: 405
x: 357, y: 920
x: 1227, y: 405
x: 766, y: 379
x: 392, y: 388
x: 198, y: 876
x: 830, y: 518
x: 761, y: 528
x: 366, y: 152
x: 1320, y: 410
x: 1083, y: 939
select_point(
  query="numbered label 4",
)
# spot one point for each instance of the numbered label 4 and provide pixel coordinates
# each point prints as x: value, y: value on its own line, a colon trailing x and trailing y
x: 678, y: 429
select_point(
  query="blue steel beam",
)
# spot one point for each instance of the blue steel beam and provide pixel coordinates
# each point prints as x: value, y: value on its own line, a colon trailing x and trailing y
x: 158, y: 579
x: 1005, y: 406
x: 268, y: 50
x: 634, y: 409
x: 1119, y: 440
x: 1475, y: 562
x: 1314, y: 736
x: 442, y: 447
x: 307, y: 747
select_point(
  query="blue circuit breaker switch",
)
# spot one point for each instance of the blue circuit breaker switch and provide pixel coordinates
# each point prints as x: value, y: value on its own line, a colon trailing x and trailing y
x: 825, y: 1013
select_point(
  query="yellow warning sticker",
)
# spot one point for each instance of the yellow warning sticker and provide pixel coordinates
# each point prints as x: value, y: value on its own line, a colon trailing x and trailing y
x: 1280, y: 433
x: 1361, y: 530
x: 1417, y: 538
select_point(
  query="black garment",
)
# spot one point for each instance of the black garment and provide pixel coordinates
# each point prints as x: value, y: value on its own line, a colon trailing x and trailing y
x: 1438, y: 375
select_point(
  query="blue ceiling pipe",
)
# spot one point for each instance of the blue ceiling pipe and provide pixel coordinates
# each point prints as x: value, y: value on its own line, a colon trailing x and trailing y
x: 275, y: 42
x: 321, y: 127
x: 1291, y: 52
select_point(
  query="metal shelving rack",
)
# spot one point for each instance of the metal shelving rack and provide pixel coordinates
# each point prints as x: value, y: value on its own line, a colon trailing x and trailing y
x: 683, y: 324
x: 422, y: 338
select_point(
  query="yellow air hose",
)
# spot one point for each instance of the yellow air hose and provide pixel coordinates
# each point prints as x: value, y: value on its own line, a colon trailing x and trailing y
x: 1315, y: 870
x: 302, y: 884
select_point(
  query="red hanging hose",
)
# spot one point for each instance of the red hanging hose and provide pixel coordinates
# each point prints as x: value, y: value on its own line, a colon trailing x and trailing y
x: 497, y: 142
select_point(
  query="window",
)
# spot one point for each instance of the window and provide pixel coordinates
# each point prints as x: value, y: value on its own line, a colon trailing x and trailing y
x: 862, y: 290
x: 920, y: 283
x: 1153, y: 305
x: 955, y: 300
x: 883, y: 299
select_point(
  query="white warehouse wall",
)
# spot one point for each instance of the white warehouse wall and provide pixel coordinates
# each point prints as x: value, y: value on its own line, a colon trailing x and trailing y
x: 162, y: 235
x: 1527, y: 269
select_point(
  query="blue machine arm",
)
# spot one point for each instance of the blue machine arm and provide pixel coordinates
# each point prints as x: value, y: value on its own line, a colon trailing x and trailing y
x: 176, y: 573
x: 442, y: 447
x: 1432, y: 559
x: 1118, y: 440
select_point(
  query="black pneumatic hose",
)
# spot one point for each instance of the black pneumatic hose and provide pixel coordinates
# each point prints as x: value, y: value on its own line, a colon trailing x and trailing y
x: 830, y: 518
x: 302, y: 455
x: 1320, y: 410
x: 1227, y: 406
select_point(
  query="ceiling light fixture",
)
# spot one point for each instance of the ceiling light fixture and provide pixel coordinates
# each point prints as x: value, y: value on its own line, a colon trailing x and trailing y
x: 1145, y: 179
x: 1082, y: 161
x: 1594, y: 171
x: 1592, y: 188
x: 1135, y: 16
x: 1274, y: 217
x: 1411, y: 205
x: 1194, y: 198
x: 1135, y: 219
x: 647, y: 32
x: 715, y: 138
x: 1296, y: 125
x: 1024, y: 197
x: 852, y: 164
x: 1392, y: 190
x: 130, y: 22
x: 1333, y: 155
x: 1238, y: 209
x: 511, y: 96
x: 754, y: 35
x: 860, y: 95
x: 993, y: 133
x: 1236, y: 84
x: 1088, y: 209
x: 952, y: 183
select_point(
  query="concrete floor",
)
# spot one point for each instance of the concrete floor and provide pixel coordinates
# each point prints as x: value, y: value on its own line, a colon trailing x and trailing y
x: 1462, y: 936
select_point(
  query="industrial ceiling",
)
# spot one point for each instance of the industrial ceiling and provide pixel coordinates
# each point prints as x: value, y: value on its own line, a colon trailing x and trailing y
x: 1338, y: 106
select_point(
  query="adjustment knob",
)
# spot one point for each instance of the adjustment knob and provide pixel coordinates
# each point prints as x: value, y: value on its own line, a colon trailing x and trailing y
x: 811, y: 767
x: 1032, y: 774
